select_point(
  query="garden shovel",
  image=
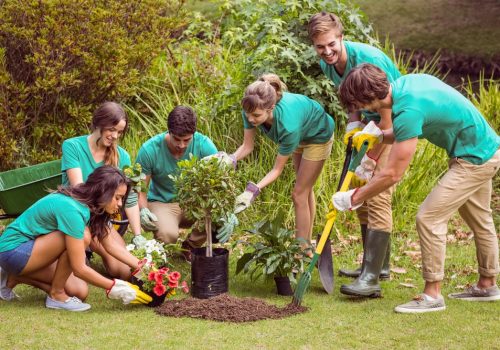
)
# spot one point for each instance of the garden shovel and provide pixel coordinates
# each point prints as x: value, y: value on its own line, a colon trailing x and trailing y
x: 325, y: 261
x: 305, y: 279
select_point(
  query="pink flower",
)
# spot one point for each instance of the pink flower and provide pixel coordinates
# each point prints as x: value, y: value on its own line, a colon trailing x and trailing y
x: 163, y: 270
x: 151, y: 276
x: 185, y: 287
x: 174, y: 276
x: 173, y: 284
x: 158, y: 277
x: 159, y: 289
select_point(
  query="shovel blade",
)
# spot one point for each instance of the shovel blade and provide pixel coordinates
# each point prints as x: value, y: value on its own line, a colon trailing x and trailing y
x: 325, y: 267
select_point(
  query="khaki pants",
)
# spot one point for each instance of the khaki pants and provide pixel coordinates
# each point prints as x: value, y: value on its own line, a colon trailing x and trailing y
x: 170, y: 219
x: 376, y: 212
x: 467, y: 188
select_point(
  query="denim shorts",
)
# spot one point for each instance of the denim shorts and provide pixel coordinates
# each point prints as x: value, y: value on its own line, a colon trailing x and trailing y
x: 13, y: 261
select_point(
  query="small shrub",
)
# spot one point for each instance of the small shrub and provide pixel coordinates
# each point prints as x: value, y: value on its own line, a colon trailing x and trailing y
x: 60, y: 59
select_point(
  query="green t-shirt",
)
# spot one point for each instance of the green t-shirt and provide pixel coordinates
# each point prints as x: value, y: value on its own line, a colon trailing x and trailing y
x: 54, y: 212
x: 157, y: 161
x: 425, y: 107
x: 358, y: 53
x: 76, y: 154
x: 297, y: 119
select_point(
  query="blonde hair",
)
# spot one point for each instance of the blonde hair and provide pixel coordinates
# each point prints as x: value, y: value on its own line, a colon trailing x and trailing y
x: 263, y: 93
x: 323, y: 22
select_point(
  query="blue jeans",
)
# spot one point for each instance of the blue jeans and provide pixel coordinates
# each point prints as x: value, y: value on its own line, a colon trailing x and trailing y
x: 13, y: 261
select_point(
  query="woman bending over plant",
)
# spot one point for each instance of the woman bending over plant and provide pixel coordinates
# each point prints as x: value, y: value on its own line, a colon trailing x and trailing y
x: 45, y: 246
x: 301, y: 128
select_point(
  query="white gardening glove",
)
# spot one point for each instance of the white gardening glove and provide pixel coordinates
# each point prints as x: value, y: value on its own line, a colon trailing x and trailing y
x: 139, y: 241
x: 148, y: 220
x: 223, y: 158
x: 370, y: 133
x: 230, y: 221
x: 365, y: 169
x: 244, y: 200
x: 351, y: 129
x: 128, y: 293
x: 342, y: 200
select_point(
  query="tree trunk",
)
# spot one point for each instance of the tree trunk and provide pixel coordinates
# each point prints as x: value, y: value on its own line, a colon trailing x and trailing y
x: 208, y: 231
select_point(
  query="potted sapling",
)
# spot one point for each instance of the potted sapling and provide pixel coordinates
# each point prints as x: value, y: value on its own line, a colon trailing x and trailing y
x: 273, y: 252
x: 206, y: 192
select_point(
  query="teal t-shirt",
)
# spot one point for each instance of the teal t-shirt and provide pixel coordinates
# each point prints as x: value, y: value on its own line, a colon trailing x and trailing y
x: 425, y: 107
x: 157, y: 161
x: 53, y: 212
x: 76, y: 154
x: 358, y: 53
x: 297, y: 119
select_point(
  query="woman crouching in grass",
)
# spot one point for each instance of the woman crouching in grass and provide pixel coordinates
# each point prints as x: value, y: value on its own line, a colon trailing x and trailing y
x: 303, y: 131
x: 45, y: 246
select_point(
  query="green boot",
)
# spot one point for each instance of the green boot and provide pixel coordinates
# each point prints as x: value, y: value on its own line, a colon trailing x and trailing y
x: 366, y: 285
x: 385, y: 273
x: 355, y: 273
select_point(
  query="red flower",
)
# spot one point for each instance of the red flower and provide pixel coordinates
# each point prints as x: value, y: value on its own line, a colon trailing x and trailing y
x: 159, y: 289
x: 173, y: 284
x: 158, y: 277
x: 174, y: 276
x: 185, y: 287
x: 163, y: 270
x: 151, y: 276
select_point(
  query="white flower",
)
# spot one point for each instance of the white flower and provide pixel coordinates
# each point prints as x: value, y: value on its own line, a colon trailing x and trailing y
x: 130, y: 247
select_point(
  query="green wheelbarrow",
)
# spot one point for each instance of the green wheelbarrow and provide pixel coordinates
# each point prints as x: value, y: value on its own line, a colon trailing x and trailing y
x: 22, y: 187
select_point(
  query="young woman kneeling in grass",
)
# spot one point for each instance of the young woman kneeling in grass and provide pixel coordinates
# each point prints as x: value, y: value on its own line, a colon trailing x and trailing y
x: 45, y: 246
x: 301, y: 128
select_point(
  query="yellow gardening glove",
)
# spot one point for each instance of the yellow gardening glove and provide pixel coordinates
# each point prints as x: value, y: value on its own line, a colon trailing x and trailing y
x: 128, y: 293
x: 370, y: 133
x: 357, y: 182
x: 351, y: 129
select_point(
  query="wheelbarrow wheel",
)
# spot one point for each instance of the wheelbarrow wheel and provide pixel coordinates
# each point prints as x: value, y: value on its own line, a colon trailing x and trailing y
x: 120, y: 222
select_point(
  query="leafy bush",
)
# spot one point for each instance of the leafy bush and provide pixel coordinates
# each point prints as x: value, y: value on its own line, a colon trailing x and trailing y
x: 274, y: 251
x: 61, y: 58
x: 272, y: 36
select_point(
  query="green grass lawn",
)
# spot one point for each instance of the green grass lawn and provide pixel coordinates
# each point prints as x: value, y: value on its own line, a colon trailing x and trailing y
x: 458, y: 26
x: 333, y: 322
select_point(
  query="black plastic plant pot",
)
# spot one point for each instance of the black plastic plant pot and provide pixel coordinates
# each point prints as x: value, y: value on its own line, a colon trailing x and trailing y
x: 283, y: 285
x: 209, y: 276
x: 157, y: 300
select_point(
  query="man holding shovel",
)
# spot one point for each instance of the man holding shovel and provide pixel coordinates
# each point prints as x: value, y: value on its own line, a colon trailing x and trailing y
x: 425, y: 107
x: 338, y: 57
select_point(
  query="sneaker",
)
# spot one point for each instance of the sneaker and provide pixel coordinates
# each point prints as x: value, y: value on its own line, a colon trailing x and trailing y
x: 421, y: 303
x: 6, y: 293
x: 72, y: 304
x: 474, y: 293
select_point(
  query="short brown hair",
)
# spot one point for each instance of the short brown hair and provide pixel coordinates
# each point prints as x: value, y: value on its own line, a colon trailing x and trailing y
x: 182, y: 121
x: 363, y: 85
x: 323, y: 22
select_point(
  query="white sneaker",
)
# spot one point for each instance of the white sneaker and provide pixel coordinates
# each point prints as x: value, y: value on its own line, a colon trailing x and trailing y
x: 6, y: 293
x: 420, y: 304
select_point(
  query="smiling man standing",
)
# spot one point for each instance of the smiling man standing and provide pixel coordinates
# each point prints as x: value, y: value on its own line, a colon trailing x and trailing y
x: 338, y: 58
x: 159, y: 156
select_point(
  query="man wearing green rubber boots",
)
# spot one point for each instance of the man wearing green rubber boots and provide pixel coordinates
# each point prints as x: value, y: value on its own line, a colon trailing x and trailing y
x: 338, y: 57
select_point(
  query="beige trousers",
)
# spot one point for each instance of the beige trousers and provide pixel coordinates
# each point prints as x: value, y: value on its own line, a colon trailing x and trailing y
x: 467, y: 188
x: 376, y: 212
x: 170, y: 219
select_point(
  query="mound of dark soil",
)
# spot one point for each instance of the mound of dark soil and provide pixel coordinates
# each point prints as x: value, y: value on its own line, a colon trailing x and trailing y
x: 226, y: 308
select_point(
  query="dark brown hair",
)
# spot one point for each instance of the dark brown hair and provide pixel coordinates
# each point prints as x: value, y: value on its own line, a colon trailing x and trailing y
x: 96, y: 193
x: 106, y: 116
x: 264, y: 93
x: 182, y: 121
x: 364, y: 84
x: 323, y: 22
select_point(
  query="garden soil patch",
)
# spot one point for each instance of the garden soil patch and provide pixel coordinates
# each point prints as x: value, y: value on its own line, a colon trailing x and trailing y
x: 226, y: 308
